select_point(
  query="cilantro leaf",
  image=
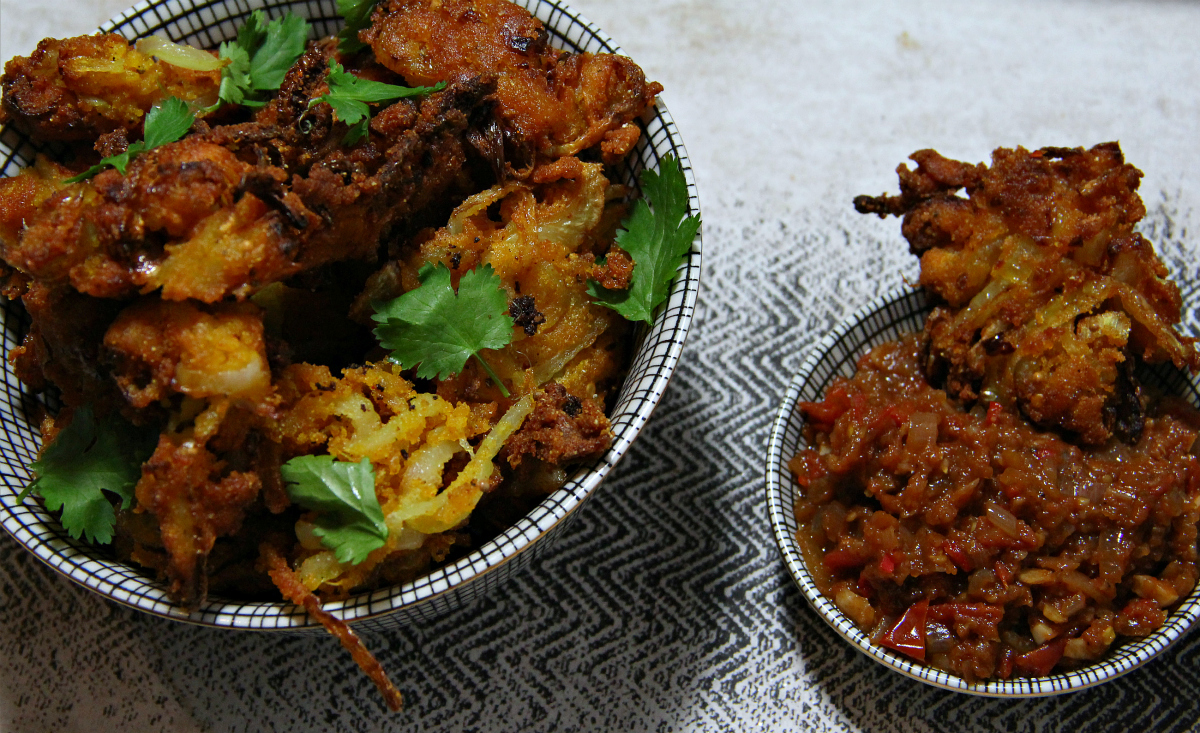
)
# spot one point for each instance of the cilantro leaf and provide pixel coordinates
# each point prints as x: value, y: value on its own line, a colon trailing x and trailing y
x: 166, y: 122
x: 435, y: 330
x: 349, y: 520
x: 283, y: 44
x: 348, y: 95
x: 235, y: 78
x: 358, y: 16
x: 87, y: 458
x: 657, y: 237
x: 260, y: 57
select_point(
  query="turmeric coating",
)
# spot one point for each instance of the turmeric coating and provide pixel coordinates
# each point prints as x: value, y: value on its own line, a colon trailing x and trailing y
x: 221, y: 288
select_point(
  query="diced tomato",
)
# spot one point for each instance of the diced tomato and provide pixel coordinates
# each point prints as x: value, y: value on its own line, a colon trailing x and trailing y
x: 1041, y: 660
x: 888, y: 564
x: 1003, y: 574
x: 908, y: 635
x: 956, y: 553
x: 839, y: 561
x: 993, y: 412
x: 824, y: 413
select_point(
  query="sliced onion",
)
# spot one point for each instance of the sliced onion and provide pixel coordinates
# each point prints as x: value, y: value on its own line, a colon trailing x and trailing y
x: 177, y: 54
x: 1004, y: 520
x: 922, y: 431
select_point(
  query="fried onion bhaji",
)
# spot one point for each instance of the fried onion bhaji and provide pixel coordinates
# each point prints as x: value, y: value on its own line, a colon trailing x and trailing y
x: 181, y: 291
x: 1048, y: 290
x: 80, y: 88
x: 551, y: 103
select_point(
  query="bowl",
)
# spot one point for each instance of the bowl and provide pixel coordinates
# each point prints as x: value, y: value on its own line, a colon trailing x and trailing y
x: 884, y: 319
x: 453, y: 585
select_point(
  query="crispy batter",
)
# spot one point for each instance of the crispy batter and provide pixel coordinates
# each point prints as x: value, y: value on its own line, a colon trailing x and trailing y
x: 195, y: 501
x: 160, y: 348
x: 292, y: 589
x: 79, y: 88
x: 542, y: 246
x: 103, y: 236
x: 1048, y: 288
x: 182, y: 218
x: 561, y: 429
x: 63, y: 345
x: 551, y: 103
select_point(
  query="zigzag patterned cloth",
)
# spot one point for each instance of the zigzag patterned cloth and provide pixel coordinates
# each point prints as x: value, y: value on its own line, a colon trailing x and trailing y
x: 664, y: 607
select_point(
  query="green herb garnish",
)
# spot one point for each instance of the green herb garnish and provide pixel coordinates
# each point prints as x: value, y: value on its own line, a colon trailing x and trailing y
x: 435, y: 330
x: 260, y: 57
x: 358, y: 16
x: 166, y: 122
x: 657, y: 237
x: 349, y: 520
x: 349, y: 95
x: 86, y: 459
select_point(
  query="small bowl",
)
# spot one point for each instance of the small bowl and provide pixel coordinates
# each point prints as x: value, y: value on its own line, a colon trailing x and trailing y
x: 887, y: 318
x: 207, y: 25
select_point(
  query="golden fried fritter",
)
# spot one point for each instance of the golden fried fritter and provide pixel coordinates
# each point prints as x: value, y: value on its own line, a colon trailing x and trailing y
x: 159, y: 348
x: 542, y: 246
x: 550, y: 103
x: 80, y: 88
x: 63, y: 345
x: 1049, y: 290
x: 192, y: 219
x: 140, y: 283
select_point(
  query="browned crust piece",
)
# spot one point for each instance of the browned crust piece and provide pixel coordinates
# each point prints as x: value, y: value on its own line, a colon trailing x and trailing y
x: 195, y: 220
x: 293, y: 589
x: 561, y: 429
x: 77, y: 89
x: 550, y: 103
x: 1049, y: 291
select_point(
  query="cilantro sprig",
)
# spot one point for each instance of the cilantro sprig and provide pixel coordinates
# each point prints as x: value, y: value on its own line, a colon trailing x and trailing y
x: 259, y: 58
x: 358, y: 16
x: 436, y: 330
x: 349, y: 520
x: 88, y: 458
x: 166, y: 122
x: 657, y: 236
x: 349, y: 96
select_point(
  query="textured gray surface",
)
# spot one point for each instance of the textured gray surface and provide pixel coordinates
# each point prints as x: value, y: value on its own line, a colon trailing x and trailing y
x: 665, y: 606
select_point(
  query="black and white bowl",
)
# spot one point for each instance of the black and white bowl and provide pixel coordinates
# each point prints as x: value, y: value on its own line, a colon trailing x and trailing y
x: 885, y: 319
x: 207, y: 24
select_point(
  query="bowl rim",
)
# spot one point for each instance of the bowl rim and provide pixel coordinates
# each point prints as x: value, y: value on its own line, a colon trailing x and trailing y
x: 850, y: 339
x: 659, y: 349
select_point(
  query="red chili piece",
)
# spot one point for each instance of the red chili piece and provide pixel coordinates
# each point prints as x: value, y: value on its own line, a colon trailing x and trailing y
x: 993, y: 413
x: 956, y: 553
x: 1041, y: 660
x: 908, y: 635
x: 888, y: 564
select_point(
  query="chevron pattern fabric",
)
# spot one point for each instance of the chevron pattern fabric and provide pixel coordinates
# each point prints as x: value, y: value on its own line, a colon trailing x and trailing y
x: 663, y: 607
